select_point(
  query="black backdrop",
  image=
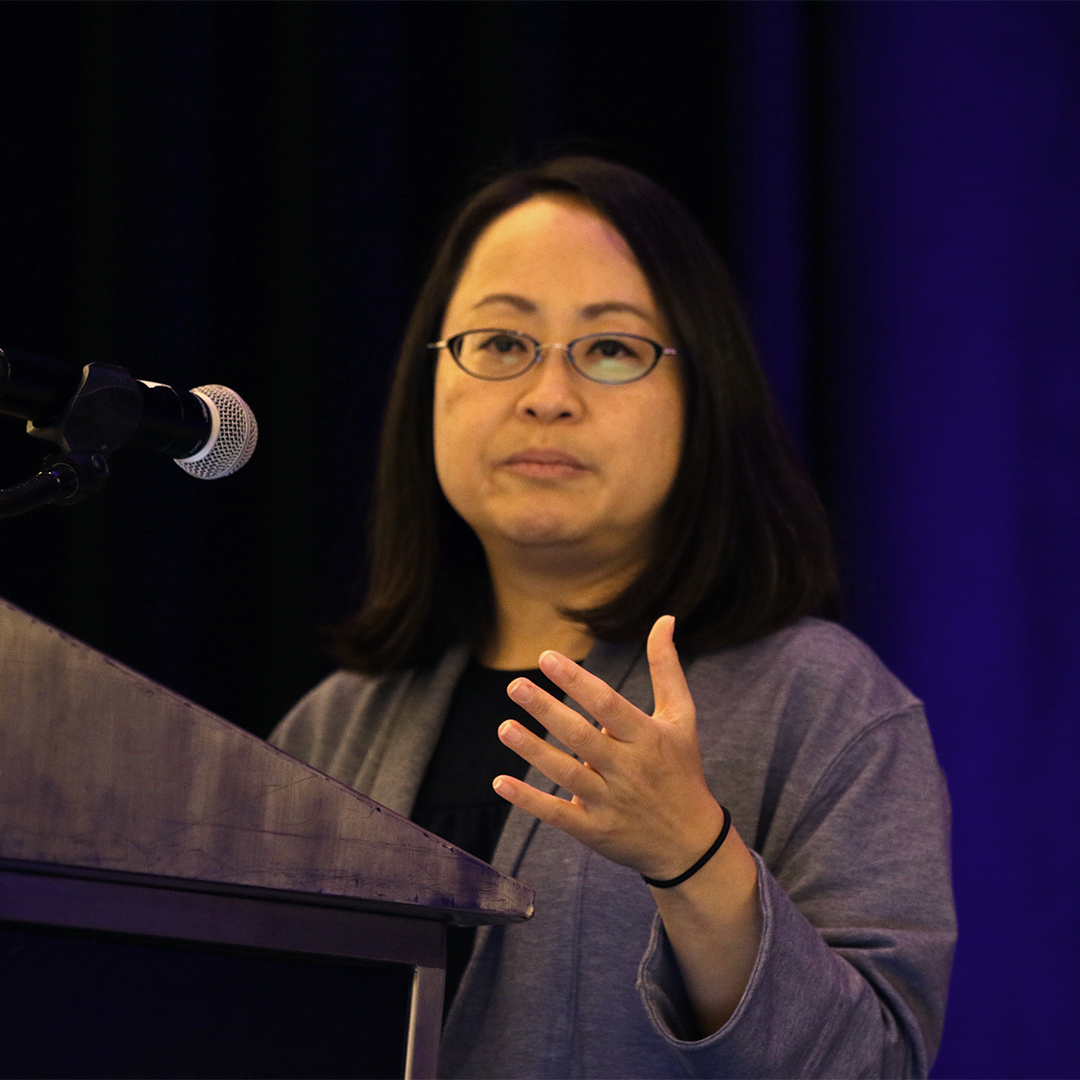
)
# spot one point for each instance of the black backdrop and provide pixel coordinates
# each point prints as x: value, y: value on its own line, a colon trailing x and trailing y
x: 249, y: 194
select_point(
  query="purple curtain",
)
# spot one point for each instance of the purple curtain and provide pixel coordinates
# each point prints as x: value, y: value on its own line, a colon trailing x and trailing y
x: 949, y: 266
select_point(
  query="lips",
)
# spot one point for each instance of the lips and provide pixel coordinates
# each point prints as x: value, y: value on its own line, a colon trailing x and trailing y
x: 544, y: 464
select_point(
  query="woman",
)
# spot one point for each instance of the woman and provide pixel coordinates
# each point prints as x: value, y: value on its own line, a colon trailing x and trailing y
x: 568, y: 502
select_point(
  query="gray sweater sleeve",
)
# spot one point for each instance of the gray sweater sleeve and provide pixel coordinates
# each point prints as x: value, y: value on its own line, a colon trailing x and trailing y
x: 858, y: 926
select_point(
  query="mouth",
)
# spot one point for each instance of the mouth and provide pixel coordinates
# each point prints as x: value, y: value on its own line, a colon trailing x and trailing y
x: 544, y: 464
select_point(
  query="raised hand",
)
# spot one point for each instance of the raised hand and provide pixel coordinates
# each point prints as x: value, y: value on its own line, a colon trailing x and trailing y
x: 639, y: 793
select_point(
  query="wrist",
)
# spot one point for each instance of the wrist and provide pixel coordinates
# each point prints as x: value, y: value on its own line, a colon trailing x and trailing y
x: 714, y: 847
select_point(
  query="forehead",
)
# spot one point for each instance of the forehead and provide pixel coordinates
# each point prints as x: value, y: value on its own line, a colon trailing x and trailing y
x: 552, y: 249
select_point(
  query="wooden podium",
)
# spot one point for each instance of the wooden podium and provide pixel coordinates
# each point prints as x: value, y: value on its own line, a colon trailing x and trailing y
x: 179, y: 898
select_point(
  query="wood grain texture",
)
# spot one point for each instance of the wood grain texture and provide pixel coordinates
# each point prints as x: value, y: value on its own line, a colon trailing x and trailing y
x: 102, y: 768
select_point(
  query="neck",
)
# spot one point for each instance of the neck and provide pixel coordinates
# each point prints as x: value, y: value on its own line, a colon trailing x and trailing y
x: 528, y: 605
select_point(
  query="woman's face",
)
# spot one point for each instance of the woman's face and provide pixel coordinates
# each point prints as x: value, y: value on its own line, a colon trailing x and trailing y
x: 550, y: 465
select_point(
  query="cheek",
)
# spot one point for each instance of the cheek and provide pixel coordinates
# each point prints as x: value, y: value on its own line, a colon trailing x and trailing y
x: 459, y: 419
x: 651, y: 472
x: 448, y: 443
x: 658, y: 449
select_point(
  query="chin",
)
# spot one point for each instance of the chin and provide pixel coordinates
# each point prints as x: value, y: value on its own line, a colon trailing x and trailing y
x: 531, y: 527
x: 540, y: 533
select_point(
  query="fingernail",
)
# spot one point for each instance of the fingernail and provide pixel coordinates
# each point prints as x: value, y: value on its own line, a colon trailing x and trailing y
x: 520, y: 690
x: 550, y: 661
x: 509, y: 733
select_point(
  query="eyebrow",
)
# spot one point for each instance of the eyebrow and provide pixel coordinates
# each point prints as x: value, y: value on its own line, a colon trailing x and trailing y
x: 512, y: 299
x: 594, y: 311
x: 590, y: 311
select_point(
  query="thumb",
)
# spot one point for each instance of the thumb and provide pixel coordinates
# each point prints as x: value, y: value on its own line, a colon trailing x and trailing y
x: 670, y: 692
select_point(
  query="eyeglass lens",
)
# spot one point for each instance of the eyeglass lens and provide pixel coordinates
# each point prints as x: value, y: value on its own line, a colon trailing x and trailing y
x: 605, y: 358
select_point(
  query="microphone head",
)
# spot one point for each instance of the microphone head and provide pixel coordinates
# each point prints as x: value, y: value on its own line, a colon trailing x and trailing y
x: 233, y: 435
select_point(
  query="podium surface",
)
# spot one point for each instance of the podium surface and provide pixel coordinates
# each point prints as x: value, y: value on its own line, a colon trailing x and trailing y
x: 127, y: 810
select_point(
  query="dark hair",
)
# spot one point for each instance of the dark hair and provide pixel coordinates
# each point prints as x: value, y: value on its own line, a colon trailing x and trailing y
x: 743, y: 545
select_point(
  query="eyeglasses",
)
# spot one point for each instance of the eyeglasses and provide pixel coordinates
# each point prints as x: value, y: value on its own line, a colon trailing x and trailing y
x: 602, y: 358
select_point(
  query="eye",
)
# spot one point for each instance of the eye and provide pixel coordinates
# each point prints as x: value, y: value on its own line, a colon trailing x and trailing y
x: 614, y: 358
x: 494, y: 354
x: 610, y: 348
x: 504, y: 344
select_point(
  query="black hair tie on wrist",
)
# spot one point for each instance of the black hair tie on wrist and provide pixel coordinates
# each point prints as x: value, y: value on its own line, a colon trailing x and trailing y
x: 672, y: 882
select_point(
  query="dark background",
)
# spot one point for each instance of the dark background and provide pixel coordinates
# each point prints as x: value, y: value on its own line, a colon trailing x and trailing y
x: 249, y: 194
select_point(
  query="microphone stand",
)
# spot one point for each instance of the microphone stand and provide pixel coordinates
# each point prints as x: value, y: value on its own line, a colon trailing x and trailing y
x: 63, y: 479
x: 101, y: 417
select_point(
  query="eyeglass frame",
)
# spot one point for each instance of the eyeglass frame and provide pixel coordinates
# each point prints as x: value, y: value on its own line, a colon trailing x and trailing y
x: 448, y: 344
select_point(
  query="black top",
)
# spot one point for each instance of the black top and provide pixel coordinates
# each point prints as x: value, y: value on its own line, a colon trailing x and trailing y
x: 456, y: 800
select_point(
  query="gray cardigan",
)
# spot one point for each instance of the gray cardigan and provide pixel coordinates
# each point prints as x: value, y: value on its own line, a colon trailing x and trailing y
x: 826, y: 764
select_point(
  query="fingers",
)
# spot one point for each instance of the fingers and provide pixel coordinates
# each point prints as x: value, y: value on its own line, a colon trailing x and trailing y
x: 571, y: 729
x: 561, y: 813
x: 606, y: 706
x: 575, y: 776
x: 620, y: 719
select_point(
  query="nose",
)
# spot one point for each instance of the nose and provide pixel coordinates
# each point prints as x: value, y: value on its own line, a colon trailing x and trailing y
x: 551, y: 392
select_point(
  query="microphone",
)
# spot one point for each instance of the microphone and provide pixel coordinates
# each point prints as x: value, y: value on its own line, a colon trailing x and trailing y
x: 210, y: 431
x: 210, y: 441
